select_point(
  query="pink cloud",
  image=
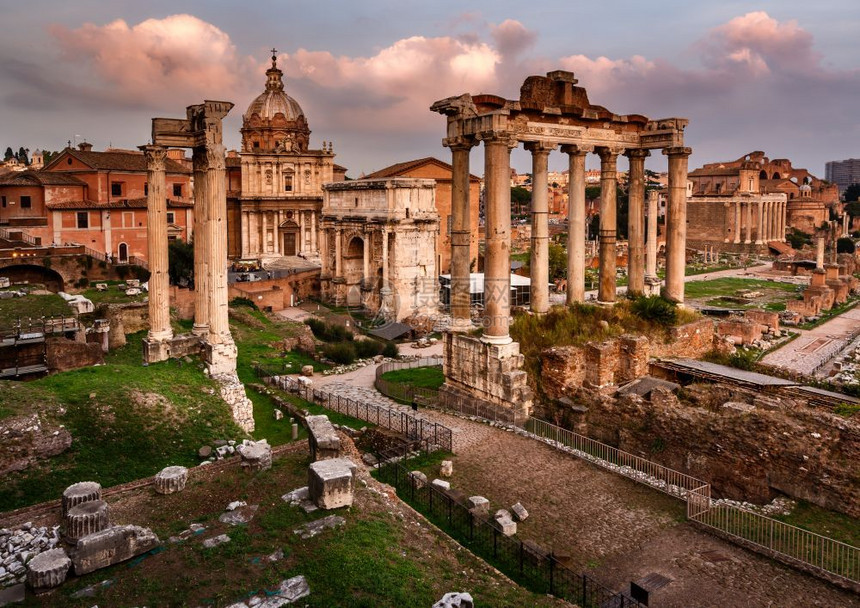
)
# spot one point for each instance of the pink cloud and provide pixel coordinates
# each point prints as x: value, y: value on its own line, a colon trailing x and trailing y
x: 178, y: 59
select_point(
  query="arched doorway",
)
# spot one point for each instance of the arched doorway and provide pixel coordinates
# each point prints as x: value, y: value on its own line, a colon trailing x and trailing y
x: 122, y: 253
x: 353, y: 269
x: 290, y: 237
x: 32, y: 274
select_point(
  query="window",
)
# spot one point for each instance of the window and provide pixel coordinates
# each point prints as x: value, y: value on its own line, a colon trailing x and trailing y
x: 450, y: 224
x: 116, y: 189
x: 128, y: 219
x: 83, y: 219
x: 4, y: 202
x: 288, y: 182
x: 26, y: 203
x: 171, y: 217
x: 145, y: 189
x: 177, y: 189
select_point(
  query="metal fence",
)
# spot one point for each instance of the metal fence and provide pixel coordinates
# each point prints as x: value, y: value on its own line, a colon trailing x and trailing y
x: 524, y: 562
x: 19, y: 235
x: 431, y: 435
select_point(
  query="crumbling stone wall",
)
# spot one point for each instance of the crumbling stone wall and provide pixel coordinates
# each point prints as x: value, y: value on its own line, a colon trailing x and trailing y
x: 64, y: 354
x: 27, y: 439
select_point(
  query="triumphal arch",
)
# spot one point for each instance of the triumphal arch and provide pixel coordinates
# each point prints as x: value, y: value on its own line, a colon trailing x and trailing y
x: 201, y: 131
x: 551, y: 113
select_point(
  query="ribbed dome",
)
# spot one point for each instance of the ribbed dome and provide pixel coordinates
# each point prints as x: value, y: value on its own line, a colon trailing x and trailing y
x: 270, y: 103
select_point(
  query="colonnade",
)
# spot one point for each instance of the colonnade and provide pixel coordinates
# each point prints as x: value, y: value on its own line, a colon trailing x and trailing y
x: 497, y: 149
x: 770, y: 218
x: 262, y: 232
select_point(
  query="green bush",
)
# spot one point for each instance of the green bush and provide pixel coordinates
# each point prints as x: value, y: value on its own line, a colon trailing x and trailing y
x: 329, y: 332
x: 390, y: 350
x: 340, y: 352
x: 243, y: 302
x: 365, y: 349
x: 845, y: 245
x: 656, y: 309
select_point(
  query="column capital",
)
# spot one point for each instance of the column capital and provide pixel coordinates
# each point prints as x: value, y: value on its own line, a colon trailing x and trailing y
x: 498, y: 137
x: 677, y: 151
x: 637, y: 153
x: 576, y: 149
x: 609, y: 153
x: 155, y: 157
x: 539, y: 147
x: 460, y: 142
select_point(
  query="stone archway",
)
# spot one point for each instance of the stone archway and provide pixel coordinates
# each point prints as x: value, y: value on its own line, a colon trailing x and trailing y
x: 353, y: 269
x: 289, y: 234
x: 122, y: 253
x: 30, y: 273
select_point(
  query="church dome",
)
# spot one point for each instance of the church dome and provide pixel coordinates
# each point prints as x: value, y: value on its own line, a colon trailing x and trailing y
x: 274, y: 121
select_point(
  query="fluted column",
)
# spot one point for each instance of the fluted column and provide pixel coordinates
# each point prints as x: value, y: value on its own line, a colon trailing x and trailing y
x: 385, y: 269
x: 636, y: 221
x: 201, y: 244
x: 727, y: 223
x: 365, y: 261
x: 216, y: 203
x: 539, y: 263
x: 651, y: 251
x: 338, y: 257
x: 737, y: 205
x: 576, y: 222
x: 461, y: 232
x: 747, y: 222
x: 783, y: 215
x: 156, y: 236
x: 265, y: 223
x: 497, y: 261
x: 314, y: 248
x: 676, y: 223
x: 245, y: 234
x: 608, y: 223
x: 759, y: 227
x: 302, y: 237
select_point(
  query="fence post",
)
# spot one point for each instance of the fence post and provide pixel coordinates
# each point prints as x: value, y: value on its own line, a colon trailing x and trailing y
x: 551, y: 572
x: 495, y: 537
x: 584, y: 592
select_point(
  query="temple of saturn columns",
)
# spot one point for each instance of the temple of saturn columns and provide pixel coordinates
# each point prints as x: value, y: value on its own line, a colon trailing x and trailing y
x: 552, y: 112
x: 202, y: 132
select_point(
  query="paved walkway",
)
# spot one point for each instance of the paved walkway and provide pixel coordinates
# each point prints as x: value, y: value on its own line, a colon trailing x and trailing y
x: 815, y: 348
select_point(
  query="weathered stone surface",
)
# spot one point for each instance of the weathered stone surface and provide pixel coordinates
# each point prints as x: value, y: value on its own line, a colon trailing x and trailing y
x: 331, y: 483
x: 240, y: 515
x: 85, y: 519
x: 519, y: 512
x: 446, y: 469
x: 48, y: 569
x: 216, y: 540
x: 256, y: 455
x: 455, y: 600
x: 479, y: 503
x: 507, y: 526
x: 419, y: 479
x: 12, y: 594
x: 26, y: 439
x: 288, y: 592
x: 80, y: 492
x: 324, y: 440
x: 171, y: 479
x: 313, y: 528
x: 441, y: 484
x: 91, y: 590
x: 307, y: 370
x: 111, y: 546
x: 205, y: 451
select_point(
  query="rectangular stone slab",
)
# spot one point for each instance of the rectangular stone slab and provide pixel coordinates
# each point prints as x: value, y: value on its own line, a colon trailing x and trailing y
x: 111, y: 546
x: 331, y: 483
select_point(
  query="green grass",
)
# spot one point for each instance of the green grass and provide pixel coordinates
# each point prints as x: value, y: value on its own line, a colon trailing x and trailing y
x: 112, y: 295
x: 419, y: 377
x: 32, y: 306
x: 728, y: 286
x: 837, y: 526
x: 694, y: 270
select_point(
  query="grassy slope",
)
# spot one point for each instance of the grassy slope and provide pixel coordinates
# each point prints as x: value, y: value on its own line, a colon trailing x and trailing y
x: 421, y: 377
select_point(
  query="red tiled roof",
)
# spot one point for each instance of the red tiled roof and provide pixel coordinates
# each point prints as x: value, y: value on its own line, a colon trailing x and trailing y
x: 42, y: 178
x: 134, y: 203
x: 711, y: 171
x: 397, y: 170
x: 114, y: 161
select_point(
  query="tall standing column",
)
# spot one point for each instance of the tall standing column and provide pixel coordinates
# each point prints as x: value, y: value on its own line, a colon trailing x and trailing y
x: 216, y: 203
x: 461, y: 233
x: 783, y: 212
x: 760, y: 225
x: 635, y: 222
x: 497, y: 261
x: 156, y: 236
x: 201, y: 244
x: 263, y: 218
x: 737, y: 205
x: 676, y: 223
x: 539, y: 264
x: 727, y: 224
x: 385, y: 269
x: 245, y: 234
x: 338, y: 257
x: 608, y: 223
x: 747, y: 222
x: 651, y: 251
x: 365, y: 261
x: 314, y: 248
x: 576, y: 222
x: 302, y: 237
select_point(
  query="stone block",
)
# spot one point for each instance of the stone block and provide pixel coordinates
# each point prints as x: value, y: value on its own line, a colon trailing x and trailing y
x: 307, y: 370
x: 446, y: 469
x: 455, y: 600
x: 216, y: 540
x: 111, y: 546
x: 502, y: 513
x: 331, y: 483
x: 77, y: 493
x: 479, y: 503
x: 507, y: 526
x: 256, y: 455
x: 324, y: 440
x: 85, y: 519
x: 440, y: 484
x: 171, y: 479
x: 419, y: 479
x: 519, y: 511
x: 48, y: 569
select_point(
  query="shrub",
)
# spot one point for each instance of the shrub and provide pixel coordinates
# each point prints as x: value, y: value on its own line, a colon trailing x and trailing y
x: 329, y: 332
x: 340, y: 352
x: 365, y: 349
x: 656, y: 309
x: 390, y: 350
x: 845, y: 245
x: 243, y: 302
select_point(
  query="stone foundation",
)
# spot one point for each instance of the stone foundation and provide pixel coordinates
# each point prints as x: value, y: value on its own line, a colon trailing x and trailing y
x: 111, y: 546
x: 233, y: 393
x: 331, y: 483
x: 488, y: 373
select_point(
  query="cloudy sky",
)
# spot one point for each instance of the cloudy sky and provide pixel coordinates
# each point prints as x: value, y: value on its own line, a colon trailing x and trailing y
x: 780, y: 76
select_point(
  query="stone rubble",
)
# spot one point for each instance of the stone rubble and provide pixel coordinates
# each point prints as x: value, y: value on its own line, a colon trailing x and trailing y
x: 287, y: 592
x: 91, y: 590
x: 20, y: 545
x: 216, y: 540
x: 519, y: 512
x: 239, y: 515
x: 48, y: 569
x: 111, y: 546
x: 446, y: 469
x: 256, y: 455
x: 311, y: 529
x: 455, y: 600
x: 300, y: 497
x: 171, y: 479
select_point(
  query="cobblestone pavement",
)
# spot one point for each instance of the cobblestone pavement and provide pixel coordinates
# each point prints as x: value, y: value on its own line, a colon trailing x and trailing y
x: 817, y: 346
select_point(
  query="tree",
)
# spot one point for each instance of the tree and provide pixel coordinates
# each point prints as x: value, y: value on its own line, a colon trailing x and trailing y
x: 852, y: 193
x: 519, y: 197
x: 592, y: 193
x: 180, y: 256
x: 49, y: 156
x: 557, y: 262
x: 9, y: 153
x: 22, y: 155
x: 845, y: 245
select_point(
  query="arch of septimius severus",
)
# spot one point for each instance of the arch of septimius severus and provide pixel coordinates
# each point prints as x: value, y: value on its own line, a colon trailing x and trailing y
x: 551, y: 113
x: 201, y: 131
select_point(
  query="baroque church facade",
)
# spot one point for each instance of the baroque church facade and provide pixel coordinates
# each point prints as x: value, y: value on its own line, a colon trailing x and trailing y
x: 274, y: 183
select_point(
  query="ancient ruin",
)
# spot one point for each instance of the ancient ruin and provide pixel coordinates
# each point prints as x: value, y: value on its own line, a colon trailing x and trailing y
x: 551, y: 112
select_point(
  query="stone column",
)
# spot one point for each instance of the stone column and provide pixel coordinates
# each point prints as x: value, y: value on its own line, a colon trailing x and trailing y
x: 576, y: 222
x: 314, y: 249
x: 727, y: 223
x: 385, y: 268
x: 201, y: 244
x: 539, y: 264
x: 783, y: 212
x: 747, y: 222
x: 845, y: 224
x: 338, y: 258
x: 302, y: 236
x: 461, y: 233
x: 245, y: 232
x: 737, y: 205
x: 635, y: 221
x: 365, y: 266
x: 651, y: 251
x: 758, y: 234
x: 608, y: 227
x: 497, y: 261
x: 676, y: 223
x: 216, y: 203
x: 819, y: 253
x: 156, y: 236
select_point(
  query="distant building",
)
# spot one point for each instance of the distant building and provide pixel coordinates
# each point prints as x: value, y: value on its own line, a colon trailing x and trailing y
x: 843, y: 173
